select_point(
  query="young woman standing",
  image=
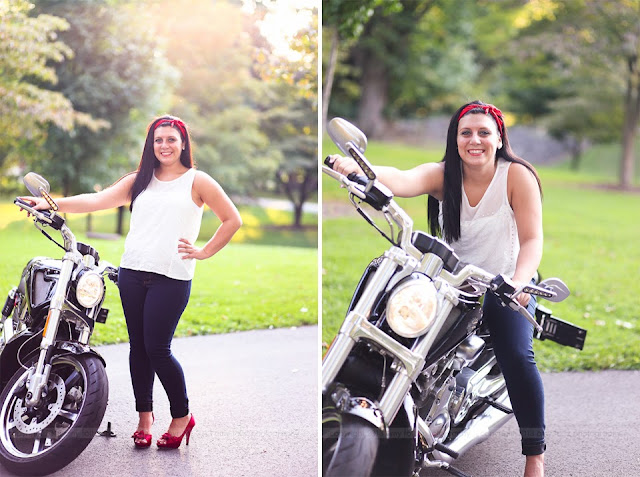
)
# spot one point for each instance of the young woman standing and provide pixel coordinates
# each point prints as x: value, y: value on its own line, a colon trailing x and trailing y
x: 167, y: 195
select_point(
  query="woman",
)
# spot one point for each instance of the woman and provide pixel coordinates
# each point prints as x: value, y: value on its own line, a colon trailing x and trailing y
x: 167, y: 195
x: 483, y: 197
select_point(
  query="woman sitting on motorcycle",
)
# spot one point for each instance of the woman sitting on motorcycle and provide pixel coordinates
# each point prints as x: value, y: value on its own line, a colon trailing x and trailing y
x: 167, y: 195
x: 486, y: 203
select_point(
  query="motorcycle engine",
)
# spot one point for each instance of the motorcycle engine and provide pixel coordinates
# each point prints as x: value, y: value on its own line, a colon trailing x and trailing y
x: 439, y: 400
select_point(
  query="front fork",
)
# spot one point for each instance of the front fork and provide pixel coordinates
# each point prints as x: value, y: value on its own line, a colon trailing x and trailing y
x: 39, y: 376
x: 352, y: 325
x: 356, y: 327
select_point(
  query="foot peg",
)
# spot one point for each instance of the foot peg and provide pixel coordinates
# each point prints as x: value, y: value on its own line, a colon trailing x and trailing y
x: 498, y: 406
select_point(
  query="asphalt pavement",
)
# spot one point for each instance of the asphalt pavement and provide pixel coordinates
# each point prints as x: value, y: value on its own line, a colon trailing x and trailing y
x: 593, y: 430
x: 254, y: 398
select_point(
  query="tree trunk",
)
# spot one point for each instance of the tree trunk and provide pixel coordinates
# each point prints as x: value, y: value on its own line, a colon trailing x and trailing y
x: 626, y: 167
x: 329, y: 75
x: 119, y: 224
x: 576, y: 153
x: 375, y: 84
x: 631, y: 117
x: 376, y: 59
x: 297, y: 215
x: 66, y: 186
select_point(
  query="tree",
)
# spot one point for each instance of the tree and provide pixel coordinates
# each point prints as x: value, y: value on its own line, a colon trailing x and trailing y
x: 28, y: 48
x: 344, y: 22
x: 416, y: 60
x: 596, y: 44
x: 290, y: 119
x: 218, y: 94
x: 118, y: 75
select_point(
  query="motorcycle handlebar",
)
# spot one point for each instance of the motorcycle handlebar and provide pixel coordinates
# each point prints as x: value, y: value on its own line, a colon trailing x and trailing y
x: 506, y: 295
x: 502, y: 287
x: 40, y: 215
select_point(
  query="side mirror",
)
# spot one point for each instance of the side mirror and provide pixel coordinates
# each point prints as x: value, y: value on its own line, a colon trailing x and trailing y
x: 36, y: 184
x: 39, y: 187
x: 345, y: 134
x: 352, y: 142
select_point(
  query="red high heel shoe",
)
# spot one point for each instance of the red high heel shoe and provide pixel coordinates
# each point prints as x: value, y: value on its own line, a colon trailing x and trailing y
x: 173, y: 442
x: 141, y: 436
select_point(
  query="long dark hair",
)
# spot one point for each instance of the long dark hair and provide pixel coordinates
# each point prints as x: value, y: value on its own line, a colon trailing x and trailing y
x: 452, y: 189
x: 149, y: 162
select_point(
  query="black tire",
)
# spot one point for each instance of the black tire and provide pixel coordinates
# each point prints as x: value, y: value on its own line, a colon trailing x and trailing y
x: 349, y: 445
x: 65, y: 423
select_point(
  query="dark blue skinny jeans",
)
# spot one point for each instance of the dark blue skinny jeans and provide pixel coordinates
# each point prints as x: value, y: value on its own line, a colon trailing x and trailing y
x: 512, y: 337
x: 152, y: 305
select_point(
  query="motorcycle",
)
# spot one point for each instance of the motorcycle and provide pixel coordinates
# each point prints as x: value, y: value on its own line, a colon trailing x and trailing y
x: 54, y: 385
x: 411, y: 382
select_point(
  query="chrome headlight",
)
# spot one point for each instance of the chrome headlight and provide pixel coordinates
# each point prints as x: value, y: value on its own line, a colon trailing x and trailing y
x: 90, y: 289
x: 412, y: 307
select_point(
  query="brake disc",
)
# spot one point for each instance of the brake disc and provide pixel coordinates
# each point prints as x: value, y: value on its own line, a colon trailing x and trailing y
x: 31, y: 425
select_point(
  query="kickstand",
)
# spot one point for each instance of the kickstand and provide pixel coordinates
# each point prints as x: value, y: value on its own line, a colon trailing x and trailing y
x: 457, y: 472
x: 107, y: 432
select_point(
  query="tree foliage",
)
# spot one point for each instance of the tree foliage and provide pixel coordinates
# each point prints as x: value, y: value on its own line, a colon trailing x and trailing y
x: 296, y: 131
x: 593, y: 46
x: 119, y: 76
x: 344, y: 22
x: 28, y: 47
x: 218, y: 93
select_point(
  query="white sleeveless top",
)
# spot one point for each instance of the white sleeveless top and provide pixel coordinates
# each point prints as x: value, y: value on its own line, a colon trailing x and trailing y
x: 488, y: 231
x: 162, y: 214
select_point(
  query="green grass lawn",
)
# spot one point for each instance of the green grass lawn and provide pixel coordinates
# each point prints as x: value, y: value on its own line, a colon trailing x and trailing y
x: 591, y: 242
x: 250, y: 284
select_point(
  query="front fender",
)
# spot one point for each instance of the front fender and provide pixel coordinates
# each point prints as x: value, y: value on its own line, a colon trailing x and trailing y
x: 9, y: 363
x: 365, y: 408
x: 78, y: 349
x: 29, y: 349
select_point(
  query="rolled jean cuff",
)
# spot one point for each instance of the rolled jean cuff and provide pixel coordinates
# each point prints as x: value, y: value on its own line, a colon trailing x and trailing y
x: 533, y: 449
x: 532, y: 440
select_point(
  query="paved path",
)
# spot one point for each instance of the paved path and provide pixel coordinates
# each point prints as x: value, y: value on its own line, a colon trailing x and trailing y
x: 593, y: 430
x: 254, y: 398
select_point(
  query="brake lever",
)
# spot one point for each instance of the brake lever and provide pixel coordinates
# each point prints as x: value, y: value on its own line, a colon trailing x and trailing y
x: 506, y: 292
x: 516, y: 306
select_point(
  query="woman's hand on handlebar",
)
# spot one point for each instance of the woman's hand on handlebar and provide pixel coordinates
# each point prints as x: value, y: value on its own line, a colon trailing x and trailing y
x: 523, y: 299
x: 344, y: 165
x: 38, y: 203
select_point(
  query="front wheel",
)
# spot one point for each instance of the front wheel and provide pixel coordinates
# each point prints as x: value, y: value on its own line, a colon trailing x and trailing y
x: 349, y: 445
x: 44, y: 439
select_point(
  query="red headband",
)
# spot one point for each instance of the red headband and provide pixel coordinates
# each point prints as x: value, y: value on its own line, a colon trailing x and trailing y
x: 488, y: 109
x: 173, y: 123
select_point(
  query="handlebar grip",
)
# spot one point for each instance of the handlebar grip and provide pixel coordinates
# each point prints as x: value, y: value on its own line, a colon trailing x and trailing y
x: 18, y: 201
x: 328, y: 163
x: 352, y: 176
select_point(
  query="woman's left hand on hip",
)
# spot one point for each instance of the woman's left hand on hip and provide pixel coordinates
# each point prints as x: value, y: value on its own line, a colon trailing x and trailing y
x: 188, y: 250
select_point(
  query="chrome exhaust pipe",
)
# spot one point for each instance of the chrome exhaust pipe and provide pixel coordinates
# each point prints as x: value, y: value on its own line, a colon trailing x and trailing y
x: 479, y: 429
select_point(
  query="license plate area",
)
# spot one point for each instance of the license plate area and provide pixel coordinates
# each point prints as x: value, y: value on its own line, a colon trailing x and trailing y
x: 557, y: 330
